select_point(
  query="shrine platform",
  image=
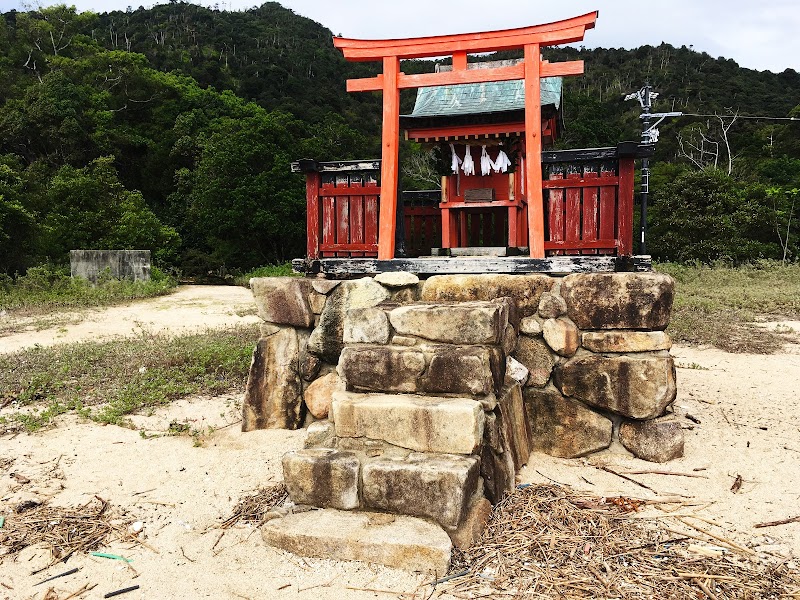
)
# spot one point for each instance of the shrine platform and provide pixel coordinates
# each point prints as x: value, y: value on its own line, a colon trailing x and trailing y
x: 338, y: 268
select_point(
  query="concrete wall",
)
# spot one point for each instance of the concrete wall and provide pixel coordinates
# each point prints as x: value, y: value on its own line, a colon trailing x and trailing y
x: 122, y: 264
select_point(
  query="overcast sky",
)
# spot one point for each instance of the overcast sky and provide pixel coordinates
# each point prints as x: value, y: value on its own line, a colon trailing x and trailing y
x: 761, y: 35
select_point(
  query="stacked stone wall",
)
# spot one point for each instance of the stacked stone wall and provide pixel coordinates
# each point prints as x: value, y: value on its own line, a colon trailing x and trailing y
x: 589, y: 352
x: 423, y: 400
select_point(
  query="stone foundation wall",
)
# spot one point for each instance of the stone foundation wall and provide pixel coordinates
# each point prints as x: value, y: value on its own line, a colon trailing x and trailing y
x: 584, y: 357
x: 423, y: 400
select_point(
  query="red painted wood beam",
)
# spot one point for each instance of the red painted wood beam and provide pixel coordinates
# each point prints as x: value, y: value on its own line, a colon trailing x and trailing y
x: 533, y: 151
x: 312, y: 215
x: 514, y: 72
x: 559, y: 32
x: 511, y: 42
x: 389, y: 165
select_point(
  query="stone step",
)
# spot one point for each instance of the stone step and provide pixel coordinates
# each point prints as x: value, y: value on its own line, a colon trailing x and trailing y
x: 479, y: 322
x: 322, y: 477
x: 436, y: 486
x: 401, y: 542
x: 427, y: 369
x: 420, y: 423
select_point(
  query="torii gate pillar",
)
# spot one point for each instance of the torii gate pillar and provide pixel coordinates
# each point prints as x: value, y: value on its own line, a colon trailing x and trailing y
x: 528, y: 39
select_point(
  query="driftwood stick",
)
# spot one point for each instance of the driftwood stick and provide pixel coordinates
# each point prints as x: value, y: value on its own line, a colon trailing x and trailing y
x: 373, y: 590
x: 706, y: 576
x: 716, y: 537
x: 702, y: 586
x: 778, y: 522
x: 657, y: 472
x: 620, y: 475
x: 81, y: 591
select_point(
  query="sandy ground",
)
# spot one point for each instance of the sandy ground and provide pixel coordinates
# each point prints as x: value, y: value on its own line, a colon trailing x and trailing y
x: 190, y: 308
x: 748, y: 408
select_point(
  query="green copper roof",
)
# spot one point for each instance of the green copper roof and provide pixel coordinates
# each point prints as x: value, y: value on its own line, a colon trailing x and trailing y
x: 474, y: 98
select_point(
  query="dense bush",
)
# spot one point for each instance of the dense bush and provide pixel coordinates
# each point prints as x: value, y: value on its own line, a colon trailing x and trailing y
x: 707, y: 215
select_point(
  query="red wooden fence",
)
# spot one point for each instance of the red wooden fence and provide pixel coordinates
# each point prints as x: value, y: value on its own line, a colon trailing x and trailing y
x: 589, y: 207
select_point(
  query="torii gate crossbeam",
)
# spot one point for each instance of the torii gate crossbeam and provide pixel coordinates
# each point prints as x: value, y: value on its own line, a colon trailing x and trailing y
x: 392, y: 80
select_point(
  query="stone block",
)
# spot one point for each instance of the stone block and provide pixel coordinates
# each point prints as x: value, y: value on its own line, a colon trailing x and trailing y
x: 462, y: 323
x: 400, y: 542
x: 516, y: 371
x: 382, y: 368
x: 497, y: 460
x: 434, y: 486
x: 531, y: 326
x: 421, y: 423
x: 370, y: 448
x: 322, y: 477
x: 639, y: 388
x: 326, y: 340
x: 319, y: 435
x: 525, y: 290
x: 565, y: 427
x: 626, y: 341
x: 319, y: 393
x: 659, y: 440
x: 397, y: 279
x: 450, y: 369
x: 310, y: 366
x: 561, y: 335
x: 471, y: 528
x: 551, y: 306
x: 619, y: 300
x: 509, y: 343
x: 273, y: 395
x: 366, y: 326
x: 267, y: 329
x: 324, y: 286
x: 515, y: 425
x: 407, y: 295
x: 537, y: 358
x: 317, y: 302
x: 283, y: 300
x: 511, y: 307
x: 402, y: 340
x: 476, y: 370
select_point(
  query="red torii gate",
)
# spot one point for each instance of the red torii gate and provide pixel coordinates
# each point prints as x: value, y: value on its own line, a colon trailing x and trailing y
x: 392, y: 80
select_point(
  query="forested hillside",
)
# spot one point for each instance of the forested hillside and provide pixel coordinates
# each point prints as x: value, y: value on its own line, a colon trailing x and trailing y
x: 172, y: 128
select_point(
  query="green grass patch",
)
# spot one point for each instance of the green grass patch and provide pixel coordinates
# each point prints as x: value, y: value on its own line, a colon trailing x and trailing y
x: 282, y: 270
x: 109, y: 380
x: 718, y: 304
x: 43, y: 289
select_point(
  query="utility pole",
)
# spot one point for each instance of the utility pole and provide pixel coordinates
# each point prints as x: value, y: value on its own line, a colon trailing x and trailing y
x: 645, y: 96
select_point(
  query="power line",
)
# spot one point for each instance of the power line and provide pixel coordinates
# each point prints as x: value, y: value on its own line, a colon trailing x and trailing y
x: 743, y: 117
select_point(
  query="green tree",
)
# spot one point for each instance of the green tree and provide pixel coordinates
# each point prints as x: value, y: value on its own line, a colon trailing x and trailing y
x: 17, y: 223
x: 239, y: 201
x: 88, y: 208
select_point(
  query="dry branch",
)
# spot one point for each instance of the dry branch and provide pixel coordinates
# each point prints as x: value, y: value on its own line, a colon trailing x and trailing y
x: 547, y: 541
x: 256, y: 506
x: 64, y: 531
x: 778, y: 522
